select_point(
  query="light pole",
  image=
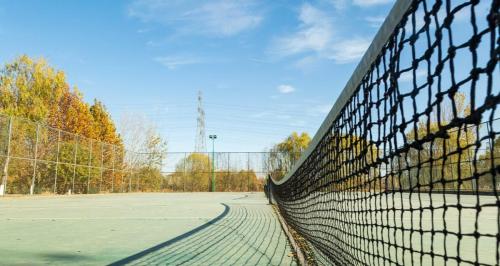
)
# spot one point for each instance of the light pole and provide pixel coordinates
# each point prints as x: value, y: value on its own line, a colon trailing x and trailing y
x: 213, y: 137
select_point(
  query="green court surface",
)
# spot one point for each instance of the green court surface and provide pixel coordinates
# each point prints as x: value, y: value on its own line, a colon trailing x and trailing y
x: 142, y: 229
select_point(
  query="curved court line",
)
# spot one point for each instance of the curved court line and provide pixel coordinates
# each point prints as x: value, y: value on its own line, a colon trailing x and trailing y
x: 171, y: 241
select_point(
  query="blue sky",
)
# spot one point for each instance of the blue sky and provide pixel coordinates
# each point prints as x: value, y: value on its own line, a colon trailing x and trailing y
x: 266, y: 68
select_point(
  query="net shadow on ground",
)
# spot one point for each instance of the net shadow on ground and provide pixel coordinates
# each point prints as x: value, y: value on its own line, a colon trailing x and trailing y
x: 241, y: 235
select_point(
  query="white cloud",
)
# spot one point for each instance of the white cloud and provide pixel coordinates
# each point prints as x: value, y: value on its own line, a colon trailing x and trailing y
x: 316, y: 39
x: 219, y: 18
x: 348, y: 51
x: 339, y: 4
x: 173, y: 62
x: 408, y: 75
x: 321, y: 109
x: 285, y: 89
x: 366, y: 3
x: 375, y: 22
x: 314, y: 34
x: 306, y: 63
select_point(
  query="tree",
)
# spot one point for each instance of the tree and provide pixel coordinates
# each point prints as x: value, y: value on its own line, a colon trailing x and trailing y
x: 193, y: 173
x: 357, y: 154
x: 441, y: 162
x: 145, y: 144
x: 284, y: 154
x: 146, y: 150
x: 104, y: 127
x: 487, y: 164
x: 38, y: 95
x: 31, y: 89
x: 74, y: 115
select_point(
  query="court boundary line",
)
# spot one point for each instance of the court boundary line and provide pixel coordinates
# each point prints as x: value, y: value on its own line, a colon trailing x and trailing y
x: 299, y: 254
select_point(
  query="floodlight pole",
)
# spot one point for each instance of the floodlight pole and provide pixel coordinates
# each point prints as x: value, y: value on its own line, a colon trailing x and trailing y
x: 213, y: 137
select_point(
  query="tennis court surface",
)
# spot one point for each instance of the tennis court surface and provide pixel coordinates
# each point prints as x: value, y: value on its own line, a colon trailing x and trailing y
x: 142, y: 229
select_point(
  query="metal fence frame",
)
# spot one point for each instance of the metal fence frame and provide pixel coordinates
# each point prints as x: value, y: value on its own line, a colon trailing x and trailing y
x: 107, y: 168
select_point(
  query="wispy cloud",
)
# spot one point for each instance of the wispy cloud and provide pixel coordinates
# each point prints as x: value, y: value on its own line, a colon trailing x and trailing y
x: 173, y: 62
x: 316, y: 38
x: 376, y: 21
x: 314, y: 34
x: 306, y: 63
x: 339, y: 4
x: 347, y: 51
x: 366, y: 3
x: 285, y: 89
x: 218, y: 18
x: 408, y: 76
x: 320, y: 110
x: 343, y: 4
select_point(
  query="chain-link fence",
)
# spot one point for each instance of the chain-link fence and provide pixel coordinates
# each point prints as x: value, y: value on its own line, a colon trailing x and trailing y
x: 38, y: 159
x: 230, y: 171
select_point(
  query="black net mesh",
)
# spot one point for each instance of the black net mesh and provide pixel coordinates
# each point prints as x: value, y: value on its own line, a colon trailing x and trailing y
x: 409, y: 171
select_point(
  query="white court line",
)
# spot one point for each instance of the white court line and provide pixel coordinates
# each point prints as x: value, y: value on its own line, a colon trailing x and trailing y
x: 126, y: 218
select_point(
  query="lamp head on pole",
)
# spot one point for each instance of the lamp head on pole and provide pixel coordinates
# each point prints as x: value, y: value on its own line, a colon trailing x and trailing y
x: 212, y: 136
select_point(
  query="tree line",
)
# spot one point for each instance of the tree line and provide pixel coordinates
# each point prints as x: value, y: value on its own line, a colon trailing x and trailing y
x: 52, y: 122
x: 60, y: 143
x: 462, y: 157
x: 34, y: 90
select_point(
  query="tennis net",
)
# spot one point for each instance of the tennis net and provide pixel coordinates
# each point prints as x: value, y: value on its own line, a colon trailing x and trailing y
x: 405, y: 169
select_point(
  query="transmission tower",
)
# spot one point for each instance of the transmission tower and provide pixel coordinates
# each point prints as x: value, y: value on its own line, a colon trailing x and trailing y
x: 200, y: 145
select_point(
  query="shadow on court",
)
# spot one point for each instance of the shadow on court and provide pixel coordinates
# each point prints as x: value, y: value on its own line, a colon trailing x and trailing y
x: 243, y: 234
x: 64, y: 257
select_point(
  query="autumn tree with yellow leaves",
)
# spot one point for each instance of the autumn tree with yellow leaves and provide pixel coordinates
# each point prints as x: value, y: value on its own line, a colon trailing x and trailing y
x: 283, y: 155
x: 444, y: 162
x: 32, y: 90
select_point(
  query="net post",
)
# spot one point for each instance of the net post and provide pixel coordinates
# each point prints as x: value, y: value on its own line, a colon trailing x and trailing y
x: 270, y: 190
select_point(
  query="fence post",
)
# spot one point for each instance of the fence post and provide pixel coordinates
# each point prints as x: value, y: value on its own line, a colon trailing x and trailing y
x: 469, y: 162
x: 209, y: 173
x: 248, y: 171
x: 161, y: 174
x: 113, y: 171
x: 129, y: 181
x: 122, y: 156
x: 32, y: 187
x: 101, y: 168
x: 269, y: 189
x: 184, y: 174
x: 57, y: 159
x: 74, y: 165
x: 3, y: 185
x: 90, y: 164
x: 137, y: 187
